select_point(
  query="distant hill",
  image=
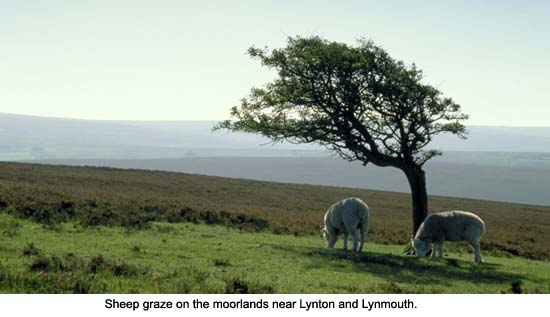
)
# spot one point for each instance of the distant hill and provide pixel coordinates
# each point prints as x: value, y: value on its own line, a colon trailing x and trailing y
x: 30, y: 137
x: 498, y: 139
x: 496, y: 163
x: 507, y: 178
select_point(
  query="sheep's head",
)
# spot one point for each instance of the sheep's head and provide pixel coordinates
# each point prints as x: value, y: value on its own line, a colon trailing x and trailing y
x: 421, y: 247
x: 324, y: 233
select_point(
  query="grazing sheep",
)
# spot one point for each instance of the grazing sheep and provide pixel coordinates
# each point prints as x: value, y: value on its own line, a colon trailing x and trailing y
x: 348, y: 216
x: 451, y: 226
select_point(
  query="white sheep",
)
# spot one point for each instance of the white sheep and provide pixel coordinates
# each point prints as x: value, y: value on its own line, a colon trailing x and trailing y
x: 450, y: 226
x: 348, y: 216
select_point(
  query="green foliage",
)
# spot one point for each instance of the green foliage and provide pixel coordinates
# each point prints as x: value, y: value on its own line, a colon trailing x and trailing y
x: 17, y: 282
x: 200, y: 258
x: 357, y: 101
x: 51, y: 210
x: 70, y: 262
x: 11, y: 228
x: 234, y: 285
x: 221, y: 262
x: 30, y: 249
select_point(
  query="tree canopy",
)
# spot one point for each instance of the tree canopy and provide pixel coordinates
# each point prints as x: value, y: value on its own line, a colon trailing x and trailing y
x: 357, y: 101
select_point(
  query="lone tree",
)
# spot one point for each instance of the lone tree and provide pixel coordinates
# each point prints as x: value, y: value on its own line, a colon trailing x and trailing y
x: 357, y: 101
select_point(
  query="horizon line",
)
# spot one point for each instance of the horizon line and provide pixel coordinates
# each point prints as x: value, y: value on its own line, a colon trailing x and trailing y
x: 217, y: 120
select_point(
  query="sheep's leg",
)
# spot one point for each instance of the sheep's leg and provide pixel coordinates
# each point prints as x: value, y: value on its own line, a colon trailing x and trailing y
x: 477, y: 252
x: 346, y: 238
x: 363, y: 234
x: 351, y: 228
x: 332, y: 240
x: 434, y: 245
x: 440, y: 249
x: 355, y: 236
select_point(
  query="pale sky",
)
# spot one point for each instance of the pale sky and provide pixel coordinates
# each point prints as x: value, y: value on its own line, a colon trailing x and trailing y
x: 186, y: 60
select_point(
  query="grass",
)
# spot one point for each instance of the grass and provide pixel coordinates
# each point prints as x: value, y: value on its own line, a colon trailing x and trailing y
x: 103, y: 230
x: 200, y: 258
x: 134, y: 198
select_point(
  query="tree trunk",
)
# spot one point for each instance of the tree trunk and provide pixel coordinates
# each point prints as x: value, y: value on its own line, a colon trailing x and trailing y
x: 417, y: 182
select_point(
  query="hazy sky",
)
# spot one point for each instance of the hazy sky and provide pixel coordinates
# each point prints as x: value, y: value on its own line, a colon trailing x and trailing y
x: 183, y: 60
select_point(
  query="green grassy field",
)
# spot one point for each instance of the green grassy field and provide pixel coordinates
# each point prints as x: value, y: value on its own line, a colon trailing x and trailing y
x: 100, y: 230
x: 184, y: 257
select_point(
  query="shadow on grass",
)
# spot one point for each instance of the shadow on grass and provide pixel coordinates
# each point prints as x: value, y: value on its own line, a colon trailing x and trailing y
x: 405, y: 269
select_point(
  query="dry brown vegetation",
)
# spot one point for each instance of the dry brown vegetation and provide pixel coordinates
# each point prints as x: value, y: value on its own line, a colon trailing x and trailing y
x: 133, y: 198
